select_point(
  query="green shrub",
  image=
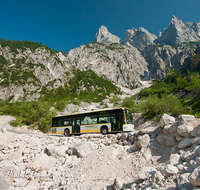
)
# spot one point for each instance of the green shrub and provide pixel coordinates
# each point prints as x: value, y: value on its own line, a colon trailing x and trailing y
x: 154, y: 106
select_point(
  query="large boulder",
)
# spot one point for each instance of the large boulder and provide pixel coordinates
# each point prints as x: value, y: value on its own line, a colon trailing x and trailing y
x: 81, y: 149
x: 143, y: 141
x: 145, y: 172
x: 161, y: 138
x: 169, y: 170
x: 170, y: 140
x: 183, y: 182
x: 185, y: 119
x: 166, y: 119
x: 196, y: 131
x: 42, y: 162
x: 56, y: 151
x: 175, y: 159
x: 194, y: 177
x: 184, y: 130
x: 185, y: 143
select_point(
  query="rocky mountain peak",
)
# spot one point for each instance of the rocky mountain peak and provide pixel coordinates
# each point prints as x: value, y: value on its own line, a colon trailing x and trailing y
x: 103, y: 35
x: 139, y: 38
x: 178, y: 32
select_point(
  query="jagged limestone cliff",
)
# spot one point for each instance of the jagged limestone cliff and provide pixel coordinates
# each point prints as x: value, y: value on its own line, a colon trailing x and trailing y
x: 25, y: 72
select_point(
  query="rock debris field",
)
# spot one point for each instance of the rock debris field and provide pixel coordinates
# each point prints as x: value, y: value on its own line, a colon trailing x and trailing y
x: 161, y: 155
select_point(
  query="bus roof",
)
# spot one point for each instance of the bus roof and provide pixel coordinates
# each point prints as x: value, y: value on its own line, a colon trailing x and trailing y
x: 99, y: 110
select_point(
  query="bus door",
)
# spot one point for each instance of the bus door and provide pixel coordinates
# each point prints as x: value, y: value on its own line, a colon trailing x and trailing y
x: 76, y: 124
x: 113, y: 122
x: 119, y: 121
x: 116, y: 121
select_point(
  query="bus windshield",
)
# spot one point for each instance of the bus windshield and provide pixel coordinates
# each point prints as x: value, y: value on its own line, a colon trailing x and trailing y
x: 129, y: 117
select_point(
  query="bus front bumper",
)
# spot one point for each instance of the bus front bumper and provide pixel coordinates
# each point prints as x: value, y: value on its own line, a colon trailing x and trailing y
x: 128, y: 127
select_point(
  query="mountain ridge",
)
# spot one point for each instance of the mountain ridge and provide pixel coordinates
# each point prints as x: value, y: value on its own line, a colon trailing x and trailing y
x: 126, y: 63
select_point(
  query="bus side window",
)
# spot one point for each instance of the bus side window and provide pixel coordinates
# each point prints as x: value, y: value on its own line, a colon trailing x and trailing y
x: 60, y: 122
x: 104, y: 118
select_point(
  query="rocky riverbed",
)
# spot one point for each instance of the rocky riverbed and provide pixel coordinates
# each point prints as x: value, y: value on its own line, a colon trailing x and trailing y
x: 162, y: 155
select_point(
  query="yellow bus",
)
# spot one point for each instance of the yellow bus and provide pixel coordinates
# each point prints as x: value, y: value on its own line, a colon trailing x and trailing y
x: 100, y: 121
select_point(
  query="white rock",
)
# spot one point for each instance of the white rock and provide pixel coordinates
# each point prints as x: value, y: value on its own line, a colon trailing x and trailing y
x: 82, y: 149
x: 56, y: 151
x: 184, y: 130
x: 183, y: 182
x: 169, y: 170
x: 194, y: 177
x: 166, y: 119
x: 157, y: 177
x: 143, y: 141
x: 185, y: 119
x: 42, y: 162
x: 196, y: 131
x: 175, y: 159
x: 146, y: 172
x: 185, y: 143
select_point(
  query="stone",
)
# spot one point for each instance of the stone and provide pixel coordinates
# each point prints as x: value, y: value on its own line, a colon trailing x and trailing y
x: 194, y: 177
x: 146, y: 172
x: 198, y: 161
x: 42, y: 162
x: 124, y: 136
x: 170, y: 140
x: 3, y: 184
x: 179, y: 138
x: 134, y: 148
x: 161, y: 138
x: 105, y: 101
x: 166, y: 119
x: 3, y: 130
x: 183, y: 119
x: 175, y: 159
x: 180, y: 167
x: 166, y: 129
x: 56, y: 151
x: 117, y: 185
x: 157, y: 177
x: 185, y: 143
x: 81, y: 149
x: 196, y: 131
x: 173, y: 128
x: 169, y: 170
x: 197, y: 150
x: 184, y: 130
x: 143, y: 141
x: 183, y: 182
x: 158, y: 130
x: 195, y: 140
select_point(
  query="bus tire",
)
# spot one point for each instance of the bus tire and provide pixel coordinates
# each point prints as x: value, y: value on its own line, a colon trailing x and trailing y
x: 104, y: 130
x: 66, y: 133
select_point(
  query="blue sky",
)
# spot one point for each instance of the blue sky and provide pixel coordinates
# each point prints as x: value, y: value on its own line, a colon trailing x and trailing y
x: 63, y: 25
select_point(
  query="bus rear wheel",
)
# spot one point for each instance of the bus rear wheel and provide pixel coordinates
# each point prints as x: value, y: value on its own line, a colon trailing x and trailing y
x: 104, y: 130
x: 66, y: 132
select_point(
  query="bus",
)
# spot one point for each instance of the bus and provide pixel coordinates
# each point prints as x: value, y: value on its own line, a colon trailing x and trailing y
x: 100, y: 121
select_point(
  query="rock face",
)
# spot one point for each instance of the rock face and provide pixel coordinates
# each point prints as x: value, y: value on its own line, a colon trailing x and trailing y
x: 179, y: 32
x: 139, y: 38
x: 121, y: 64
x: 104, y: 36
x: 24, y: 73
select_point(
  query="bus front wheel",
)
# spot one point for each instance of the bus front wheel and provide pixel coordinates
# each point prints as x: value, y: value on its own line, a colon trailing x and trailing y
x: 104, y: 130
x: 66, y: 132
